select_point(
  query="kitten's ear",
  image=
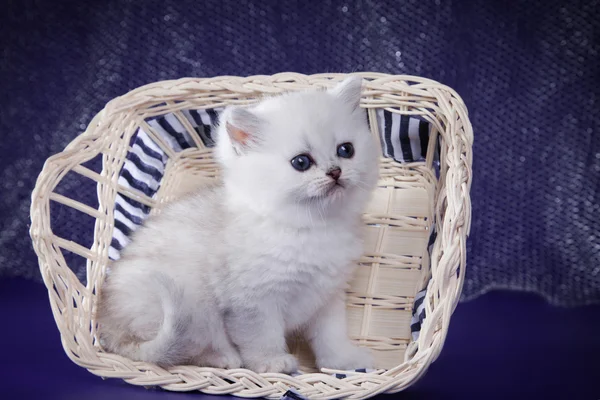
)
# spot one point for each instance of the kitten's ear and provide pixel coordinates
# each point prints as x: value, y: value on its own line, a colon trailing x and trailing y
x: 243, y: 128
x: 349, y: 90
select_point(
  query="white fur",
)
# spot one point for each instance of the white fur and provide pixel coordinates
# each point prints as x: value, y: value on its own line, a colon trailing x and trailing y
x: 220, y: 277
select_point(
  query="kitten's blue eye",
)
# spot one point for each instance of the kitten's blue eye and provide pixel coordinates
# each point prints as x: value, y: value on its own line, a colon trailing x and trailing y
x: 345, y: 150
x: 301, y: 162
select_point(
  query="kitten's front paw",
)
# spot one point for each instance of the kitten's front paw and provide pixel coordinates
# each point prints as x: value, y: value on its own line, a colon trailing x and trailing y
x: 284, y: 363
x: 229, y: 360
x: 353, y: 358
x: 226, y: 360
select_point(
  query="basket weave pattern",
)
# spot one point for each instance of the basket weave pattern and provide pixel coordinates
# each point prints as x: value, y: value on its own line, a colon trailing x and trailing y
x: 396, y: 264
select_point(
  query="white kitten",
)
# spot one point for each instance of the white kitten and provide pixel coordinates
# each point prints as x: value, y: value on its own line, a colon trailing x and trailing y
x: 220, y: 277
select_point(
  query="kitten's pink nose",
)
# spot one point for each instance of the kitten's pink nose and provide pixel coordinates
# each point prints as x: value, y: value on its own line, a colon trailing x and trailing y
x: 335, y: 173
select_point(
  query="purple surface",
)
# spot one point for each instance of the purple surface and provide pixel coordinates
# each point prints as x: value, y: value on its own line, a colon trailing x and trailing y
x: 502, y: 345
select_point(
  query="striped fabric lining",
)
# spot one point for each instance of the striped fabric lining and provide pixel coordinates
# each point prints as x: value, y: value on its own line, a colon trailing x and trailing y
x: 418, y: 315
x: 170, y: 129
x: 144, y: 167
x: 403, y: 137
x: 143, y: 170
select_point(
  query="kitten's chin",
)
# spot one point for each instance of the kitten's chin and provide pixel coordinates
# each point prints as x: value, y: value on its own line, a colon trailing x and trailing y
x: 335, y: 191
x: 335, y: 202
x: 329, y: 193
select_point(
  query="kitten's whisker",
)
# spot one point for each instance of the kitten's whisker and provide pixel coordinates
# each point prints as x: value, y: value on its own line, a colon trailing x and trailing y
x: 362, y: 185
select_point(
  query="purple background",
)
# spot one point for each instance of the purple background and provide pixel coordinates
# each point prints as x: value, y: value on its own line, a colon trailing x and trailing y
x: 529, y: 72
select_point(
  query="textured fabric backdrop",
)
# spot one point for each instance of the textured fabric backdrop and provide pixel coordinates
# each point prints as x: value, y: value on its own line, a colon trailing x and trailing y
x: 529, y: 72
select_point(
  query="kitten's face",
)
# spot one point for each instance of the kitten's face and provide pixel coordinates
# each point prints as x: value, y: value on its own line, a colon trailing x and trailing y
x: 306, y: 156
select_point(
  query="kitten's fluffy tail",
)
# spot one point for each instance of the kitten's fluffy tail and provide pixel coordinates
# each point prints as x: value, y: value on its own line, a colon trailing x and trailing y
x: 166, y: 348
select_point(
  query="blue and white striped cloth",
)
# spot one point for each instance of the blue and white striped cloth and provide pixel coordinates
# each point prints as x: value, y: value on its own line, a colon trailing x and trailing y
x: 403, y: 137
x: 145, y: 163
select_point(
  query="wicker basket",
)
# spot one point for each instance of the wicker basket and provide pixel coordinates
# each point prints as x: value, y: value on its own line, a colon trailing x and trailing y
x: 411, y: 199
